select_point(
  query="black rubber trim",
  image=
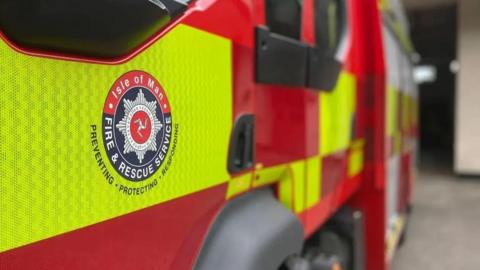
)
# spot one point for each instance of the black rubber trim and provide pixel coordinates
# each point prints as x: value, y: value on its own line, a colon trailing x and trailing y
x: 103, y: 29
x: 242, y: 144
x: 323, y: 70
x: 280, y: 60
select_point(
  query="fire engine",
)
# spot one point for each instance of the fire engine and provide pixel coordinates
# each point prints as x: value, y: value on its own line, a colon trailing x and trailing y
x: 205, y: 134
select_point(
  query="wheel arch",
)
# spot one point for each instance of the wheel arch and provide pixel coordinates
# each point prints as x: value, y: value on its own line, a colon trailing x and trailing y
x: 253, y: 231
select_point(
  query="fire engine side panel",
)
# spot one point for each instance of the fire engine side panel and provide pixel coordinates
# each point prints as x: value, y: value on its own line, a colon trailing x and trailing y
x: 370, y: 198
x: 51, y: 117
x: 342, y: 141
x: 393, y: 135
x: 311, y: 145
x: 317, y: 164
x: 196, y: 68
x: 401, y: 122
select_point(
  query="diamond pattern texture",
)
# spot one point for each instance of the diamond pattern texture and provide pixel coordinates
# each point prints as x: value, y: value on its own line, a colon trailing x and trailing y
x: 49, y: 179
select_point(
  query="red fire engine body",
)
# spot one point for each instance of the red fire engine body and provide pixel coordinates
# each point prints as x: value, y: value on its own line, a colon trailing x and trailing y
x: 207, y: 134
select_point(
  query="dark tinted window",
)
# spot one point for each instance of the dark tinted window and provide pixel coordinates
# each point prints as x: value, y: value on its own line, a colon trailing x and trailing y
x: 284, y: 17
x: 105, y: 29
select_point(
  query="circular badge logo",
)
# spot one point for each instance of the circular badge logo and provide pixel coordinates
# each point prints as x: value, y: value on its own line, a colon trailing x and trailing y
x: 137, y: 125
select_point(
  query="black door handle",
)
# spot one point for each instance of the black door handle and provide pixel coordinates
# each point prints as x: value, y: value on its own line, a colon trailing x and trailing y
x: 242, y: 143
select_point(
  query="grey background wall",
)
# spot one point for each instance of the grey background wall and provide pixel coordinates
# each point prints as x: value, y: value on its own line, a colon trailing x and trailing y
x: 467, y: 116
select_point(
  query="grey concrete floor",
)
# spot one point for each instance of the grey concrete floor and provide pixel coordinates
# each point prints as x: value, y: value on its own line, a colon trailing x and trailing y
x: 444, y: 229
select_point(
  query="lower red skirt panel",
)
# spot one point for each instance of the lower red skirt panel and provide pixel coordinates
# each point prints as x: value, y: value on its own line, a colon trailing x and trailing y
x: 165, y: 236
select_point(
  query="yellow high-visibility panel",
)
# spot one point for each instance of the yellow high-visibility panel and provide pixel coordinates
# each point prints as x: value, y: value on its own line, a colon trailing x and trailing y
x: 337, y: 110
x: 50, y: 180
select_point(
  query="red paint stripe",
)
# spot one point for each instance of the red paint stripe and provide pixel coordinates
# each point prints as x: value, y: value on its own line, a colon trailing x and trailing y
x: 314, y: 217
x: 405, y: 185
x: 165, y: 236
x: 334, y: 170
